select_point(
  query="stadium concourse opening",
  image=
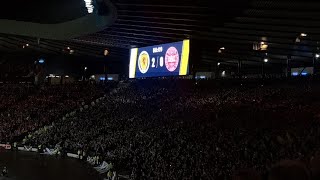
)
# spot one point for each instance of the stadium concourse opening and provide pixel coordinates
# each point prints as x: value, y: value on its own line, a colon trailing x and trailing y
x: 160, y: 90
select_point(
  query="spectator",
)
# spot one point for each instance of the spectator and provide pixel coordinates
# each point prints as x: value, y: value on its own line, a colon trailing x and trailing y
x: 159, y: 129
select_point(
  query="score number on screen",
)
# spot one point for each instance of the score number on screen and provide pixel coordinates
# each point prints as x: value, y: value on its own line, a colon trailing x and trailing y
x: 171, y: 59
x: 159, y: 59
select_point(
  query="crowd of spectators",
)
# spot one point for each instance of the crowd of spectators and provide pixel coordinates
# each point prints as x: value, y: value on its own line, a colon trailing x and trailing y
x: 25, y: 108
x: 10, y: 94
x: 179, y: 129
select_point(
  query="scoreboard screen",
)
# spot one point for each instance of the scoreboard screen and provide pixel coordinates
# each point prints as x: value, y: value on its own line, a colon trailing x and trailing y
x: 170, y: 59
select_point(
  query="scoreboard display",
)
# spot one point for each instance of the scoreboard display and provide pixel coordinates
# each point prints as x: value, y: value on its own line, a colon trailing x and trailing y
x: 170, y: 59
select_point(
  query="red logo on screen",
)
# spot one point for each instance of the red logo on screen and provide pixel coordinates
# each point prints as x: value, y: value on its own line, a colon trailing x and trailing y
x: 172, y: 59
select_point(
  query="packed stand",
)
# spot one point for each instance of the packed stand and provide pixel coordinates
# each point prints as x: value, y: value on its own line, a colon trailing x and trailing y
x: 179, y: 129
x: 11, y: 94
x: 41, y: 107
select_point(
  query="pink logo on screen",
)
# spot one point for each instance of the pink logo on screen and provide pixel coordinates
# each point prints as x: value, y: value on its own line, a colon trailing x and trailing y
x: 172, y: 59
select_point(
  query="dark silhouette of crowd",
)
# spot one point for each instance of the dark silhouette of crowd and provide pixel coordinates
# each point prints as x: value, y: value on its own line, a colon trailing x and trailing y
x: 182, y: 129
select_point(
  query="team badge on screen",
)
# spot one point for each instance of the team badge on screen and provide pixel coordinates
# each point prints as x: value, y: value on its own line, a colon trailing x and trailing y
x: 144, y: 62
x: 172, y: 59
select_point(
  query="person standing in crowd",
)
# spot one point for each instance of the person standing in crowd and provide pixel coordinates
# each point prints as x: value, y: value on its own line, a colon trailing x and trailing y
x: 5, y: 172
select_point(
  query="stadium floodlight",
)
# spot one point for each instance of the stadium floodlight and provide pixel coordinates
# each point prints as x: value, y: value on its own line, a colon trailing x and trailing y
x: 221, y: 49
x: 223, y: 74
x: 89, y: 6
x: 303, y: 35
x: 41, y: 61
x: 265, y: 60
x: 263, y: 46
x: 25, y: 45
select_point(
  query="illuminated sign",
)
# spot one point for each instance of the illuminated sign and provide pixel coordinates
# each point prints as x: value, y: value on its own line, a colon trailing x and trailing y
x: 170, y: 59
x: 89, y: 6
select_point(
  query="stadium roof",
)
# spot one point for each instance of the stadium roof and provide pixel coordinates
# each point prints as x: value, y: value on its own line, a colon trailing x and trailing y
x: 290, y: 28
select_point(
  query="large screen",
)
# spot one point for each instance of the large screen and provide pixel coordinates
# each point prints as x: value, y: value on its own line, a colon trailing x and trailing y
x: 170, y: 59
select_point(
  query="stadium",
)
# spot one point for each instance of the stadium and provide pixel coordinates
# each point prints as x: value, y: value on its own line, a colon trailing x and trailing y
x: 159, y: 90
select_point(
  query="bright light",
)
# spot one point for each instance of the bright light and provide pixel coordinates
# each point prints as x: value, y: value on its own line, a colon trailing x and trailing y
x: 317, y: 55
x: 106, y: 52
x: 223, y: 73
x: 304, y: 74
x: 41, y: 61
x: 27, y: 45
x: 265, y: 60
x: 220, y: 50
x: 202, y: 77
x: 85, y: 68
x: 295, y: 74
x: 89, y: 6
x: 66, y: 76
x: 263, y: 46
x: 218, y: 64
x: 68, y: 47
x: 303, y: 35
